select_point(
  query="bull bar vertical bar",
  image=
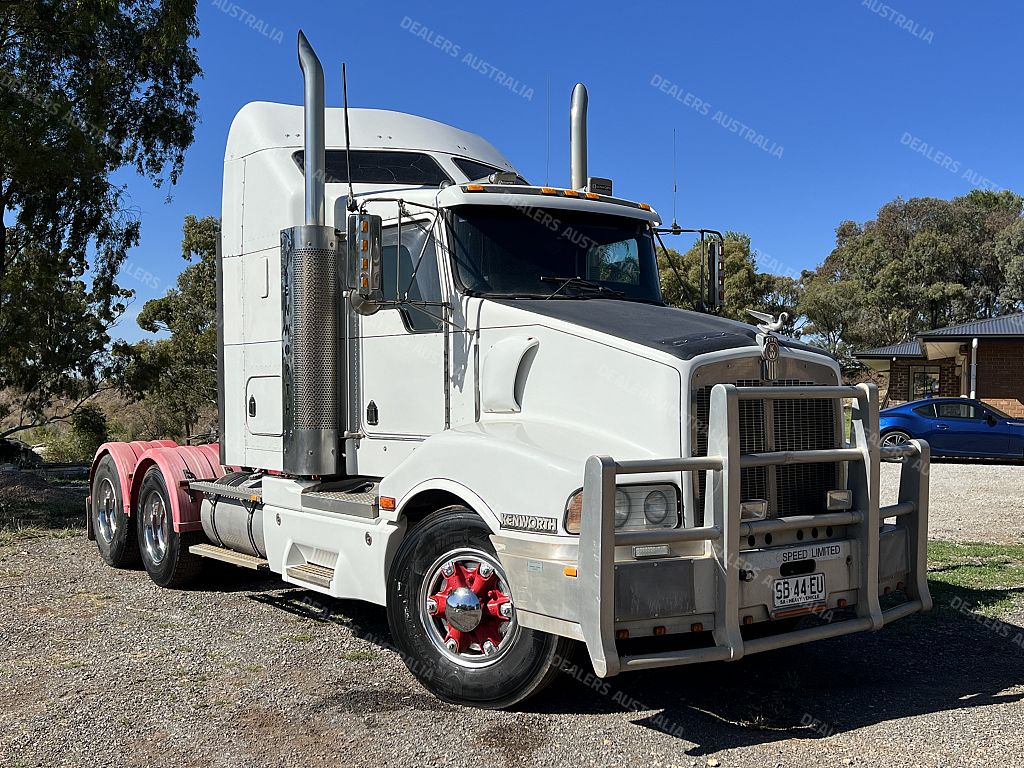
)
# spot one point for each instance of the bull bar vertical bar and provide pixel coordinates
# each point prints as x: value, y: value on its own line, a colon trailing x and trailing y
x: 598, y: 537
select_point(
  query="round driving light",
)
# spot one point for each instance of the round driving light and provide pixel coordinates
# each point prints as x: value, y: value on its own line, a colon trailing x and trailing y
x: 656, y: 507
x: 621, y: 508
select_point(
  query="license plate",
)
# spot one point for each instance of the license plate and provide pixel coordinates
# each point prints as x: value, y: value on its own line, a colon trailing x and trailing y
x: 799, y: 590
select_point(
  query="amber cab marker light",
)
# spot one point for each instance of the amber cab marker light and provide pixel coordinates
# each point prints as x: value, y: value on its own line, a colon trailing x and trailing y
x: 571, y: 193
x: 593, y: 196
x: 569, y: 571
x: 548, y: 191
x: 474, y: 187
x: 387, y: 503
x: 645, y: 206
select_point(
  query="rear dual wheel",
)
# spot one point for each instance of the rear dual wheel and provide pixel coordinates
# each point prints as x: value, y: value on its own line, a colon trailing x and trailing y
x: 115, y: 532
x: 165, y: 552
x: 452, y: 616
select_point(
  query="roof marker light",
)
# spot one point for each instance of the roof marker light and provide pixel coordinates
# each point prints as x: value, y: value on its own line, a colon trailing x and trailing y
x: 548, y: 191
x: 474, y: 187
x: 571, y: 193
x: 645, y: 206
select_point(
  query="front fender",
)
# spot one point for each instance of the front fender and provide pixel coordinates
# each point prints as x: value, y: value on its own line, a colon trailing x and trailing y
x: 507, y: 468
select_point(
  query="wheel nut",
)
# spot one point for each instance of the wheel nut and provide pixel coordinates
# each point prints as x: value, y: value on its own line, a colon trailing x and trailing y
x: 452, y: 646
x: 506, y: 610
x: 489, y: 648
x: 485, y: 570
x: 432, y: 607
x: 448, y: 568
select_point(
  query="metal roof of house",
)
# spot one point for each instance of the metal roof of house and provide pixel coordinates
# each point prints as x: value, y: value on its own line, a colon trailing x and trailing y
x: 906, y: 349
x: 1006, y: 326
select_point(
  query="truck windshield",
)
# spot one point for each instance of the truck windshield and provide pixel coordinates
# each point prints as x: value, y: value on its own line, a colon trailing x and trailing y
x: 549, y: 252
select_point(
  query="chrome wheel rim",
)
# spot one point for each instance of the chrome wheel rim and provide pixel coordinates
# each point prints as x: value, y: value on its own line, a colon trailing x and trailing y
x: 106, y: 511
x: 155, y: 527
x: 465, y: 606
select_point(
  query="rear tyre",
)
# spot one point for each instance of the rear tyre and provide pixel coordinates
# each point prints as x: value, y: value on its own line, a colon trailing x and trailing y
x: 115, y: 532
x: 165, y: 553
x: 452, y: 617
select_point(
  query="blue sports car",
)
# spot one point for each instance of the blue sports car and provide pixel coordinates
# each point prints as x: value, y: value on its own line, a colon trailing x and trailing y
x: 955, y: 427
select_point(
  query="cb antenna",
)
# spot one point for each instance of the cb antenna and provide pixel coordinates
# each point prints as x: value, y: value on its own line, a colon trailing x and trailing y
x: 675, y: 184
x: 352, y: 207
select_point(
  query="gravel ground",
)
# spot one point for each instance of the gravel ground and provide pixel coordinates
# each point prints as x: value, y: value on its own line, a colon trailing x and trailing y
x: 101, y: 667
x: 980, y: 501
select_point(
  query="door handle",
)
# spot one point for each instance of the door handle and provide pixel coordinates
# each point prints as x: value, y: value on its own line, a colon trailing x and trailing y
x: 942, y: 426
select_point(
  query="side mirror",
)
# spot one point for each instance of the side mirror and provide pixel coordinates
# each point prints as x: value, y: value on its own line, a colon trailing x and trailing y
x: 716, y: 276
x: 363, y: 246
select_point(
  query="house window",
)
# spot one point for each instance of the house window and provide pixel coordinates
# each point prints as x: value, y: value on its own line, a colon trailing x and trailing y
x: 924, y: 381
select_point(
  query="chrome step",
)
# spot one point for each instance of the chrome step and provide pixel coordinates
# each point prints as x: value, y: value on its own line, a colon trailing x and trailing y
x: 226, y: 555
x: 360, y: 501
x: 311, y: 573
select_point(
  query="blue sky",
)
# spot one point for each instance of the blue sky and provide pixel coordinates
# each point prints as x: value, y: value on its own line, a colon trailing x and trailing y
x: 790, y: 116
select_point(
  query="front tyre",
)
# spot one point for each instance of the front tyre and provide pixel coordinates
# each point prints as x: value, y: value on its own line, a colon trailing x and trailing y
x: 165, y: 553
x: 451, y: 614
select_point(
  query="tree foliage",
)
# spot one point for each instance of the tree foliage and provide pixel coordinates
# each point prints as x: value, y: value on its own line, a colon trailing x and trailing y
x: 745, y: 287
x: 921, y: 263
x: 179, y: 374
x: 86, y: 88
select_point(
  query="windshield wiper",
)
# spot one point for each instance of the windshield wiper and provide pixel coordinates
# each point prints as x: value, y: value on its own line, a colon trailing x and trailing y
x: 580, y: 284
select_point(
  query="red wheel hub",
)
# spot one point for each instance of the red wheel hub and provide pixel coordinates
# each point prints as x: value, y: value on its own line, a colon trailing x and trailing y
x: 491, y: 598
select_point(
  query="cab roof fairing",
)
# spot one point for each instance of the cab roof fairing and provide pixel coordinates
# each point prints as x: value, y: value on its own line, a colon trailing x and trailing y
x: 263, y: 125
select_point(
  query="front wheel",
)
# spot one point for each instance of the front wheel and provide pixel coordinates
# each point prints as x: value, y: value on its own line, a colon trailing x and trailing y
x: 165, y: 553
x: 451, y: 614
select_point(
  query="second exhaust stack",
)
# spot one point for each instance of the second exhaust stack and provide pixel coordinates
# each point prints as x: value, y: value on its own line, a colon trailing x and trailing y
x: 578, y: 138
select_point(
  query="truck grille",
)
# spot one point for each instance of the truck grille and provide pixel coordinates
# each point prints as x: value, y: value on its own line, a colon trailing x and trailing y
x: 776, y: 425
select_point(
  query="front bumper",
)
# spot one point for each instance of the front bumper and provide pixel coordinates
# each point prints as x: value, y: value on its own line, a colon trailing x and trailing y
x: 720, y: 577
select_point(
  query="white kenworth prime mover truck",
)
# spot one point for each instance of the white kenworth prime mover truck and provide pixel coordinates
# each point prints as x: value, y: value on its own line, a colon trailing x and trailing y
x: 452, y: 393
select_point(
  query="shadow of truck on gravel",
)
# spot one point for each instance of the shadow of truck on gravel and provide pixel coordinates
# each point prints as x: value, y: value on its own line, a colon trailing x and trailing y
x: 949, y: 659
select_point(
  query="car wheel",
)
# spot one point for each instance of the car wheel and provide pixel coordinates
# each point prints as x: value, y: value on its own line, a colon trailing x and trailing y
x: 893, y: 438
x: 165, y: 552
x: 452, y: 616
x: 115, y: 532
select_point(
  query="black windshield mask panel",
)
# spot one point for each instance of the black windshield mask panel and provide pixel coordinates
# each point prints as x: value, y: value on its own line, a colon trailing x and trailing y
x: 678, y: 332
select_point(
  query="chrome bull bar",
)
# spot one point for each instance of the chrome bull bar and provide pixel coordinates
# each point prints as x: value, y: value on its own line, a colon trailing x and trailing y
x: 598, y: 537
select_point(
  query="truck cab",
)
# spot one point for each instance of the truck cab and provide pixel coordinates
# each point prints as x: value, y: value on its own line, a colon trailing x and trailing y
x: 461, y: 396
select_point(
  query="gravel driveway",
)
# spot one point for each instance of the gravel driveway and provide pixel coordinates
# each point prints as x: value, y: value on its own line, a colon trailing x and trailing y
x: 101, y: 667
x: 979, y: 501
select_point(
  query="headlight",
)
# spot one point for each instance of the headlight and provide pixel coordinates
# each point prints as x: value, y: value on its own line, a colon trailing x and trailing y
x: 637, y: 507
x: 622, y: 508
x: 656, y: 507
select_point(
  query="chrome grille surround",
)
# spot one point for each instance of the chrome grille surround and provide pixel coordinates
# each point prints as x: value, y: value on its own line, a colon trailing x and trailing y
x: 772, y: 425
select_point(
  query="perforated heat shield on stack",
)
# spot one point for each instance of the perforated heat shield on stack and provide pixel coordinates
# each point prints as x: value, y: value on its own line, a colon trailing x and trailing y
x: 312, y: 344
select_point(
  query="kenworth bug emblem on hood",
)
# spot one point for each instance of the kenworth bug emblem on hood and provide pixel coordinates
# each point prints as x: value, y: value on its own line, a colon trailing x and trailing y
x: 769, y: 356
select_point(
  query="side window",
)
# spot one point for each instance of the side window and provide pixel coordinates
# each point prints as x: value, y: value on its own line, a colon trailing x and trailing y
x: 417, y: 273
x: 928, y: 411
x: 958, y: 411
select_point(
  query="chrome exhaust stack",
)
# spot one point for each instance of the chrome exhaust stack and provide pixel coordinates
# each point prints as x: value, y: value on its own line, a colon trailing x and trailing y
x: 578, y: 138
x: 314, y: 157
x: 311, y: 294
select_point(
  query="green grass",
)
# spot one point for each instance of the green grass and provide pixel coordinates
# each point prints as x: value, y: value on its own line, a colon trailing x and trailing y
x: 357, y: 655
x: 974, y: 577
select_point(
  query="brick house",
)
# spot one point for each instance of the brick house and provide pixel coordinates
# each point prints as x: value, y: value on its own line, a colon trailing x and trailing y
x: 982, y: 359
